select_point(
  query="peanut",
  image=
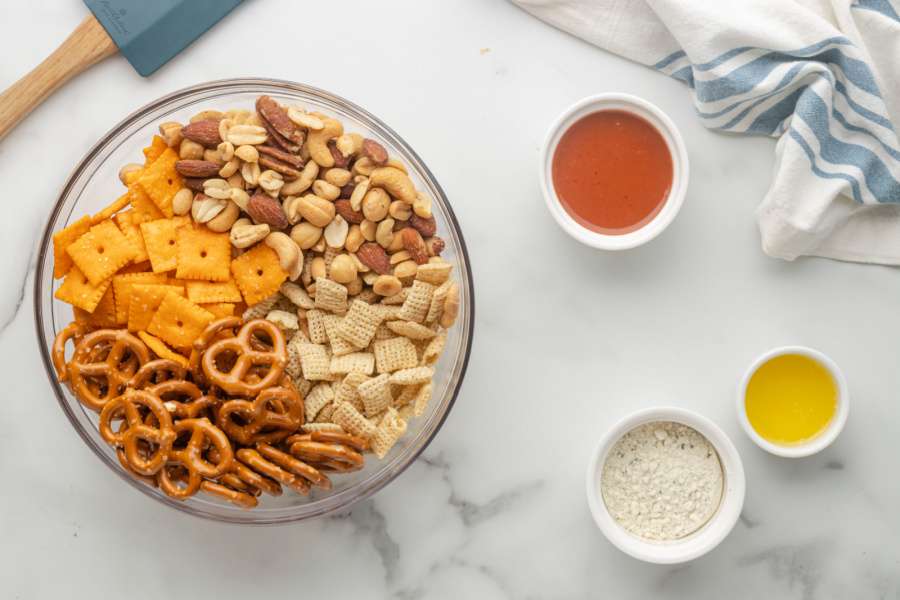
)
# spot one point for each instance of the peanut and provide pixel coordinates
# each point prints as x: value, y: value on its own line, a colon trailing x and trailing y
x: 406, y: 270
x: 306, y: 235
x: 323, y: 189
x: 171, y: 132
x: 338, y: 177
x: 384, y: 233
x: 422, y: 205
x: 252, y: 135
x: 247, y: 153
x: 125, y: 171
x: 359, y: 192
x: 225, y: 219
x: 343, y: 269
x: 317, y: 211
x: 304, y: 119
x: 318, y: 268
x: 400, y: 211
x: 190, y: 150
x: 375, y: 204
x: 349, y: 144
x: 336, y: 232
x: 270, y: 181
x: 226, y: 150
x: 363, y: 166
x: 354, y: 239
x: 207, y: 114
x: 240, y: 197
x: 250, y: 172
x: 217, y: 188
x: 368, y: 229
x: 213, y: 156
x: 230, y: 168
x: 204, y: 208
x: 387, y: 285
x: 182, y: 201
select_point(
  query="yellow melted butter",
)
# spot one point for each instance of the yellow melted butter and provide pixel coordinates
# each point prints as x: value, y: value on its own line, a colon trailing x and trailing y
x: 791, y: 399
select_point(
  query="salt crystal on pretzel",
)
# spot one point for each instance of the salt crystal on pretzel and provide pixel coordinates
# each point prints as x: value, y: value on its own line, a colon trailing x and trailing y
x: 315, y: 322
x: 351, y: 421
x: 389, y: 430
x: 434, y: 273
x: 395, y: 354
x: 330, y: 295
x: 315, y: 362
x: 297, y: 295
x: 414, y: 331
x: 285, y: 321
x: 412, y: 376
x: 316, y: 399
x: 417, y: 303
x: 359, y: 325
x: 356, y: 362
x: 375, y: 394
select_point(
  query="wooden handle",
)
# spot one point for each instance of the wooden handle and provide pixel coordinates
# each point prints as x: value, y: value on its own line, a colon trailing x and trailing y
x: 87, y: 45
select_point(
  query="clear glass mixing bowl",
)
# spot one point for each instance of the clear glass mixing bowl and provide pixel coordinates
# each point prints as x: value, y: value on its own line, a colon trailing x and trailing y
x: 95, y: 183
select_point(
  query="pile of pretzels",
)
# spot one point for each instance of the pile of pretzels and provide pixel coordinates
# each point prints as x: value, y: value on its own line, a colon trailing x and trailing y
x: 229, y: 424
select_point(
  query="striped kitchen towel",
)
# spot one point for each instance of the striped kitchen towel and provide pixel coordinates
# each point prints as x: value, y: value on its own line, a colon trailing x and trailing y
x: 822, y: 76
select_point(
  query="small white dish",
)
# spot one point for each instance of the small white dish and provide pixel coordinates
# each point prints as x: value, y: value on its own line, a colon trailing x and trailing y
x: 704, y: 539
x: 680, y: 170
x: 819, y: 442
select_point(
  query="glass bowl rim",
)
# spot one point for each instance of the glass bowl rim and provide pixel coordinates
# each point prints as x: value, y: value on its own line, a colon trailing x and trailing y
x: 45, y: 246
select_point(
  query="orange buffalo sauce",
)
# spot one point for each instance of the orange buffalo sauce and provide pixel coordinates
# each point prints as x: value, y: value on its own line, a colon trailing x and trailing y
x: 612, y: 171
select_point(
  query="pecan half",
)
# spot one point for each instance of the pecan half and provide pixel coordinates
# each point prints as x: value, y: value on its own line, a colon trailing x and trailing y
x: 277, y: 117
x: 285, y: 157
x: 287, y: 171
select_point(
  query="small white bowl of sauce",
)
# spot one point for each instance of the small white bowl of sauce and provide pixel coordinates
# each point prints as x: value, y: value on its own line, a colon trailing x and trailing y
x: 614, y: 171
x: 793, y: 401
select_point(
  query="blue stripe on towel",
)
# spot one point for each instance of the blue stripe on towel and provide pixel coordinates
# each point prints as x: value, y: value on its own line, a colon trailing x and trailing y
x: 880, y: 6
x: 854, y: 185
x: 669, y: 59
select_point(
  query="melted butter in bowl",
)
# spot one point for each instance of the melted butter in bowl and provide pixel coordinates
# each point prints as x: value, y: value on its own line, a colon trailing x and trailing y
x: 662, y: 481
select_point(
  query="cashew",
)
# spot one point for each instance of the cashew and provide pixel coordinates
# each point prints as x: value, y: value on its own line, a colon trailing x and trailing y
x: 336, y: 232
x: 359, y: 192
x: 225, y: 219
x: 302, y: 183
x: 406, y: 270
x: 190, y: 150
x: 252, y: 135
x: 384, y: 233
x: 306, y: 235
x: 317, y: 211
x: 244, y: 233
x: 182, y: 201
x: 338, y: 177
x: 393, y: 162
x: 171, y: 132
x: 343, y: 269
x: 323, y: 189
x: 396, y: 182
x: 247, y: 153
x: 317, y: 141
x: 363, y: 166
x: 205, y: 209
x: 289, y: 255
x: 375, y: 204
x: 387, y: 285
x: 127, y: 170
x: 291, y: 206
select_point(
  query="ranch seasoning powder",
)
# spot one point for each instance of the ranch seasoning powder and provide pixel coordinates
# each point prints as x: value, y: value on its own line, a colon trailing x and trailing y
x: 662, y: 481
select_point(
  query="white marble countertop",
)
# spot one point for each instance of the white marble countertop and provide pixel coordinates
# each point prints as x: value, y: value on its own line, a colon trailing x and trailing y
x: 567, y: 341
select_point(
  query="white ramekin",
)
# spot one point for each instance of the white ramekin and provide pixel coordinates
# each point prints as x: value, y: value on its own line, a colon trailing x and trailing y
x: 819, y: 442
x: 701, y: 541
x: 680, y: 170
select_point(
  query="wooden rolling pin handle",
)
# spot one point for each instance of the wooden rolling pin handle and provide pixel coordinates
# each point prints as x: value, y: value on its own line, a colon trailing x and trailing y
x: 87, y: 45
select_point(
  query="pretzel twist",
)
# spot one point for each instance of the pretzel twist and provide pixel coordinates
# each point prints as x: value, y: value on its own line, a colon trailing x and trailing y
x: 160, y: 435
x: 157, y: 371
x: 245, y: 347
x: 183, y: 399
x: 190, y: 458
x: 221, y: 329
x: 274, y: 415
x: 328, y: 451
x: 102, y: 365
x: 73, y: 330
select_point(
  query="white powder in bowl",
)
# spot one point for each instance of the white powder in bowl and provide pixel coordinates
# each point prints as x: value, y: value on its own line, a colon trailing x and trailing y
x: 662, y: 481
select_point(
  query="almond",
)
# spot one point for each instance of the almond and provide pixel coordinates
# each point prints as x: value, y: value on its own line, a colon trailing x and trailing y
x: 194, y: 183
x: 344, y: 209
x: 277, y: 117
x: 347, y: 190
x: 264, y: 209
x: 373, y: 256
x: 375, y: 151
x: 426, y: 227
x: 205, y: 132
x: 197, y: 168
x: 435, y: 246
x: 415, y: 245
x: 340, y: 161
